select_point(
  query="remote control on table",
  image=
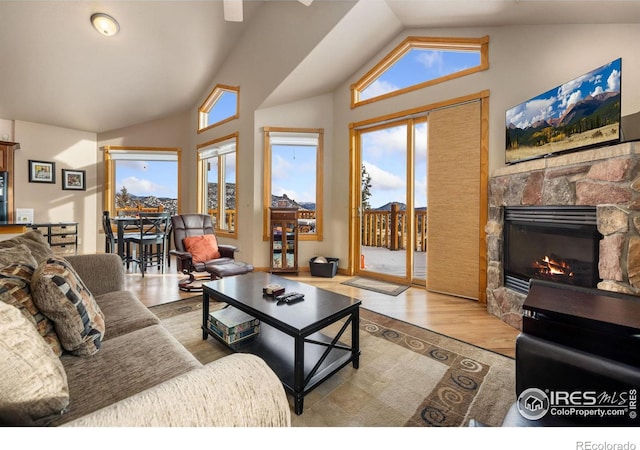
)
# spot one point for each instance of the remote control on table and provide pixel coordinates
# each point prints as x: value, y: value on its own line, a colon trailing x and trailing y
x: 290, y: 297
x: 285, y: 295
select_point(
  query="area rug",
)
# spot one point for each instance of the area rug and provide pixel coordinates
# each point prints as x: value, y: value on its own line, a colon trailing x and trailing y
x: 383, y: 287
x: 408, y: 376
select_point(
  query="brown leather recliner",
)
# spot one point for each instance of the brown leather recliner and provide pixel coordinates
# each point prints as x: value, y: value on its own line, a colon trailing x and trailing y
x: 185, y: 225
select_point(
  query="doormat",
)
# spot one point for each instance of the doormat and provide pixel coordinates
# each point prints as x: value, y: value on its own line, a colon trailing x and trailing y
x: 383, y: 287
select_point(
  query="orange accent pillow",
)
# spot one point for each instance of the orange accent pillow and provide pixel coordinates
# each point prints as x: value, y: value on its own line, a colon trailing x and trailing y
x: 202, y: 248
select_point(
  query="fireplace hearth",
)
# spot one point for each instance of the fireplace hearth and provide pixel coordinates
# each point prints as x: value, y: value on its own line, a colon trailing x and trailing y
x: 552, y: 243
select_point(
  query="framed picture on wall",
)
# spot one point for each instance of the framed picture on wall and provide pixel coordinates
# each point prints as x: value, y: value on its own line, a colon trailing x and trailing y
x: 42, y: 172
x: 73, y: 180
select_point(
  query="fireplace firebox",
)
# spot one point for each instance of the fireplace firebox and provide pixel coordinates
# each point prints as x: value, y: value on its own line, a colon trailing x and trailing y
x: 553, y: 243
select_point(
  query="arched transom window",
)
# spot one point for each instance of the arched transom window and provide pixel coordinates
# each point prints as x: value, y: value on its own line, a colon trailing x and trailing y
x: 419, y: 62
x: 220, y: 106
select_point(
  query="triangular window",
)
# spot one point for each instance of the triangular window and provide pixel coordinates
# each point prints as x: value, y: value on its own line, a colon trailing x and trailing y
x: 419, y: 62
x: 220, y: 106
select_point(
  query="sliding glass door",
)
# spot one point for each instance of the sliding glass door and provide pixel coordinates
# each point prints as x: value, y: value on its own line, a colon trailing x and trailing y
x: 392, y: 201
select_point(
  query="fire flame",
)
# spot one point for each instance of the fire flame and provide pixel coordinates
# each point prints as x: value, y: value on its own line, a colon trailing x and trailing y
x: 550, y: 266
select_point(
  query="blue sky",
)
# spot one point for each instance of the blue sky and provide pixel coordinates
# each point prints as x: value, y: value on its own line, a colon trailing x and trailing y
x: 384, y: 155
x: 553, y: 103
x: 293, y: 171
x: 418, y: 66
x: 293, y: 168
x: 143, y: 178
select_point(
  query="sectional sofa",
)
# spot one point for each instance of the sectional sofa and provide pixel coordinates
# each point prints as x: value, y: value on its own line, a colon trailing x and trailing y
x: 76, y: 349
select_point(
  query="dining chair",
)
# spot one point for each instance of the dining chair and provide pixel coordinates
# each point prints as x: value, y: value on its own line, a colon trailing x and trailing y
x: 151, y: 240
x: 109, y: 237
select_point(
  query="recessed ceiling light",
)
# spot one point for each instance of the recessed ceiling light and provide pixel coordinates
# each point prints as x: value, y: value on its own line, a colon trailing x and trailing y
x: 105, y: 24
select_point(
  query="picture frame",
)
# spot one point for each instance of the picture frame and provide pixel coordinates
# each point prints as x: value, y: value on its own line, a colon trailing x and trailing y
x: 42, y: 172
x: 73, y: 180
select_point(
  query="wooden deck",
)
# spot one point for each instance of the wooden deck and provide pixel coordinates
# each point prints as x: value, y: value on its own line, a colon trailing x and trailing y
x: 393, y: 262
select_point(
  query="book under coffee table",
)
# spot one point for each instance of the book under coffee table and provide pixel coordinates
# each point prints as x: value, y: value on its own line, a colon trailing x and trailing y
x: 293, y: 338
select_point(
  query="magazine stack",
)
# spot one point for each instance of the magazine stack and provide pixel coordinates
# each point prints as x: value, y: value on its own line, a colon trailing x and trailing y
x: 233, y: 325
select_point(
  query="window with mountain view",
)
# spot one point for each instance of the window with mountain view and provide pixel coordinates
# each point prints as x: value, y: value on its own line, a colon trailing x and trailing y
x: 293, y: 177
x: 220, y: 106
x: 217, y: 174
x: 139, y: 178
x: 419, y: 62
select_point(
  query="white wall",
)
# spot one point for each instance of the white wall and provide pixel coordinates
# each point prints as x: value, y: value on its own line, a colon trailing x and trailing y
x: 68, y: 149
x: 6, y: 130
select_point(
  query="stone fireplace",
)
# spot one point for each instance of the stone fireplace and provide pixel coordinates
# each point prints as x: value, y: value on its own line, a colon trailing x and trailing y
x: 605, y: 179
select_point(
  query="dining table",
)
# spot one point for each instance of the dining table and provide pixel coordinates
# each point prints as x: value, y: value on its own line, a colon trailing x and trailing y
x: 124, y: 223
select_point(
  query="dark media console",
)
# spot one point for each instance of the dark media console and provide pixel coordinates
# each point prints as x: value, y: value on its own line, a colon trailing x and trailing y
x: 594, y: 321
x: 581, y: 347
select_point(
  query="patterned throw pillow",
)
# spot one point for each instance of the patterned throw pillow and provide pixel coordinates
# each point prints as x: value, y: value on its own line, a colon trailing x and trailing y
x: 15, y: 289
x: 34, y: 241
x: 202, y: 248
x: 33, y: 383
x: 62, y: 296
x: 19, y: 253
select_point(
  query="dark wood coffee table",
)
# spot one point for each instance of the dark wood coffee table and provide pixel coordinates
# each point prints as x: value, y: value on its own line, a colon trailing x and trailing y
x: 290, y: 339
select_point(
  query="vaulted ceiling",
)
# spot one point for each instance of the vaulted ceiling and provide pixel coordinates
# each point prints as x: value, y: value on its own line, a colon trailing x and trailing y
x: 56, y: 70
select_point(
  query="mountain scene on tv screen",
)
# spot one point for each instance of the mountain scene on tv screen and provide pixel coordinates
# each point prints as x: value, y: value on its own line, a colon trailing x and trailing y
x: 581, y: 113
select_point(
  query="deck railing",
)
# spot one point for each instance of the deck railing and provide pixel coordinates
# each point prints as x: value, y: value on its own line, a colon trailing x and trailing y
x: 389, y: 229
x: 230, y: 218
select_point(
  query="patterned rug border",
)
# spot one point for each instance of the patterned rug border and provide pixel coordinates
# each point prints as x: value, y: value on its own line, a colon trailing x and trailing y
x: 166, y: 310
x: 446, y: 336
x: 400, y: 288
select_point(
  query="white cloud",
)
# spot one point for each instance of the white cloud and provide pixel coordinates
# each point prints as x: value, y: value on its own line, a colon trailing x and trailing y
x: 568, y: 88
x: 431, y: 59
x: 533, y: 111
x: 383, y: 180
x: 384, y: 142
x: 140, y: 186
x: 280, y: 168
x: 596, y: 91
x: 279, y: 190
x: 574, y: 98
x: 613, y: 82
x: 378, y: 87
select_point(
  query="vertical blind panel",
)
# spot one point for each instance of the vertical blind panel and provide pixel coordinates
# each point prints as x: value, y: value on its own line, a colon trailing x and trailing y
x: 453, y: 253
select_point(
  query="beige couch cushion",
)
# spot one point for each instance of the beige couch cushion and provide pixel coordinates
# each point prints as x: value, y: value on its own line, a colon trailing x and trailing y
x: 33, y: 383
x: 124, y: 366
x: 61, y: 295
x: 239, y: 390
x: 15, y: 289
x: 124, y: 313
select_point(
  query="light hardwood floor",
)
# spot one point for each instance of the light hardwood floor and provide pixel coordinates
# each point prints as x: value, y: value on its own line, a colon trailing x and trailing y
x: 463, y: 319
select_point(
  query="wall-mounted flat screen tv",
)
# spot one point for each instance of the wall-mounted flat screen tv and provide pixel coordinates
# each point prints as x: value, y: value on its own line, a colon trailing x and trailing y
x: 582, y: 113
